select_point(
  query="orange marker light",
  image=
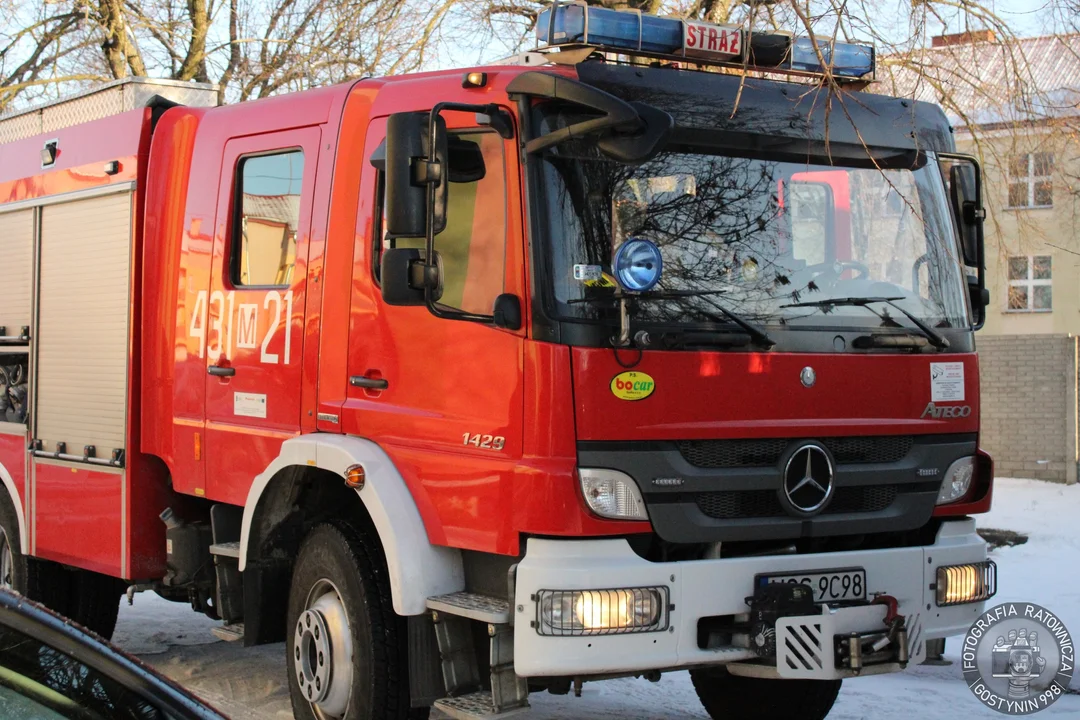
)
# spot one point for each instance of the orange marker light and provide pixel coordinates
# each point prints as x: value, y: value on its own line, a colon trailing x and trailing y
x: 355, y: 477
x: 474, y: 80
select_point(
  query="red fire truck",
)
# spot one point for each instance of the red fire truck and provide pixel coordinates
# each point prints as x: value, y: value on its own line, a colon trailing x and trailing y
x: 605, y: 362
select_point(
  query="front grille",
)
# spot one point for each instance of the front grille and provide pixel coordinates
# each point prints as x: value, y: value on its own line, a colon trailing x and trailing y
x: 865, y: 498
x: 766, y: 452
x: 881, y: 449
x: 766, y: 503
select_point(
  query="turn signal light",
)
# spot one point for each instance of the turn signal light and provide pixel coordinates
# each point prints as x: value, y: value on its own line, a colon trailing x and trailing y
x: 612, y: 494
x: 355, y: 477
x: 958, y: 584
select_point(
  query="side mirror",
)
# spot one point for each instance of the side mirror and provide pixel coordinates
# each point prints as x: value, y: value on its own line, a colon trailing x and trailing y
x: 965, y: 195
x: 507, y: 312
x: 405, y: 275
x: 967, y: 205
x: 410, y: 173
x: 980, y: 297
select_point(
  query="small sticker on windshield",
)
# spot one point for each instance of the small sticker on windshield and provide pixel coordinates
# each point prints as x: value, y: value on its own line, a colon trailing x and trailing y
x: 588, y: 272
x: 604, y: 281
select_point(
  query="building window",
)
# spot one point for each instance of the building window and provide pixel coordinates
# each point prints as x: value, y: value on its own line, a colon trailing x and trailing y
x: 1030, y: 184
x: 1030, y: 283
x: 264, y: 243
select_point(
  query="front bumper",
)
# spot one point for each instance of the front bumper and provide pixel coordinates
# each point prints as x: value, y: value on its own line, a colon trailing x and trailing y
x: 706, y: 588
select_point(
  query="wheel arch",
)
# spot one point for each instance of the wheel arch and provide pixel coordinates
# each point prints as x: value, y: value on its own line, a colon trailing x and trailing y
x: 16, y: 500
x: 417, y: 568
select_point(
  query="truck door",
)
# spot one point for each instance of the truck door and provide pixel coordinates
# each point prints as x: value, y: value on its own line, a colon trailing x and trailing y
x: 256, y: 305
x: 443, y: 397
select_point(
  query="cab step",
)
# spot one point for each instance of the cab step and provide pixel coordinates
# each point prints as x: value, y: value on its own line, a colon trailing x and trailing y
x: 226, y: 549
x: 475, y: 706
x: 484, y: 608
x: 229, y: 633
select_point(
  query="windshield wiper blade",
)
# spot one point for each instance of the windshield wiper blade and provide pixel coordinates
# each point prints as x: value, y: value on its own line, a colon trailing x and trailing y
x: 936, y: 339
x: 662, y: 295
x: 756, y: 334
x: 759, y: 336
x: 690, y: 339
x: 905, y: 340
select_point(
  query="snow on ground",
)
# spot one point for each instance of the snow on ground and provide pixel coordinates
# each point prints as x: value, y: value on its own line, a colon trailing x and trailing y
x: 250, y: 684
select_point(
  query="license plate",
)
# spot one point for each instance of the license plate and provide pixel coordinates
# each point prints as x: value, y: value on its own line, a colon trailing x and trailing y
x: 828, y: 586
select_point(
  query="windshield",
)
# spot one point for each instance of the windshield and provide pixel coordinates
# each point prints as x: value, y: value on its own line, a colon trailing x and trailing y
x: 752, y: 234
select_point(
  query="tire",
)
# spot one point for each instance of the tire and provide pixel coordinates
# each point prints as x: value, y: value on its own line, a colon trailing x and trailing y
x: 346, y: 647
x: 96, y: 601
x: 88, y: 598
x: 12, y: 562
x: 731, y: 697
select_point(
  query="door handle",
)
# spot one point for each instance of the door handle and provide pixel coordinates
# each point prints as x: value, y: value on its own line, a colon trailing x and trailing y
x: 362, y: 381
x: 220, y: 371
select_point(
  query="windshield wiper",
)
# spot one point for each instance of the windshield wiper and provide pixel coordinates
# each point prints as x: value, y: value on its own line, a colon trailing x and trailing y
x: 691, y: 339
x: 757, y: 335
x: 936, y: 339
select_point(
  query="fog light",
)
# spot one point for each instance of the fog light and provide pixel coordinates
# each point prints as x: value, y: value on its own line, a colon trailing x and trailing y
x: 602, y: 612
x: 957, y: 480
x: 974, y: 582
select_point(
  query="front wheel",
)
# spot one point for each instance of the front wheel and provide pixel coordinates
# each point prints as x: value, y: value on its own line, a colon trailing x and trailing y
x: 346, y: 648
x: 731, y: 697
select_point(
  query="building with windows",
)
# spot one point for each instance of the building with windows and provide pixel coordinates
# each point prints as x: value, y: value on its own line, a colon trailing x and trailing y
x: 1016, y: 106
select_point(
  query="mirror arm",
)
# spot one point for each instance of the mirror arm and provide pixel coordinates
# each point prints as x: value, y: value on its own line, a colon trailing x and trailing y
x: 617, y: 113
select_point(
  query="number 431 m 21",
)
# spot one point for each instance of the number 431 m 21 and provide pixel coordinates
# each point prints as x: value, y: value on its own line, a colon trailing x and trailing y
x: 484, y: 442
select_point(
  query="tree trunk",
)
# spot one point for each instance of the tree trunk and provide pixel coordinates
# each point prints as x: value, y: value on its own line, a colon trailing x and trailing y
x: 120, y: 52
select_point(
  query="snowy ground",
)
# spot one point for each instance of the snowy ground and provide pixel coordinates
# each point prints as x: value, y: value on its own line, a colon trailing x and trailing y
x: 249, y: 684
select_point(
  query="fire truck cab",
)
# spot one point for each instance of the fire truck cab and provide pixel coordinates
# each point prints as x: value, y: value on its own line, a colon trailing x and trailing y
x: 468, y: 384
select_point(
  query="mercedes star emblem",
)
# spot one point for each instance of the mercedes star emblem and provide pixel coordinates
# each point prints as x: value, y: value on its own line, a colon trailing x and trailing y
x: 808, y: 376
x: 808, y: 480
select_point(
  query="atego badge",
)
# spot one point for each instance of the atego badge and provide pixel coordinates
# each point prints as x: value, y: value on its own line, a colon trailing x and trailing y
x: 1018, y: 658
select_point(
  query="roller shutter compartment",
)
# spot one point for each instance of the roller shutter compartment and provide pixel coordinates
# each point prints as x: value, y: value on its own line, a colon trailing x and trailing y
x: 82, y: 335
x: 17, y: 245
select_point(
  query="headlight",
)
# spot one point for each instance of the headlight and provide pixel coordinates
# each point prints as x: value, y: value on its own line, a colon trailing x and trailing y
x: 957, y: 480
x: 638, y: 265
x: 612, y: 494
x: 974, y: 582
x: 602, y: 612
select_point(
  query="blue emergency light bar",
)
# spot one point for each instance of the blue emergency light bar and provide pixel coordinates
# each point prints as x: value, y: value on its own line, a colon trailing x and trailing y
x: 632, y: 32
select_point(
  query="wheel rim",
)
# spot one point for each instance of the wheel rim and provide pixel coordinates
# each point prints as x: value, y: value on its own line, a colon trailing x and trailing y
x: 7, y: 562
x: 322, y: 652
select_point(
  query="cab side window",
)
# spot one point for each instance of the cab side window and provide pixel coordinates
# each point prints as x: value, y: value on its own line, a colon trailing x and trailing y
x: 473, y: 245
x: 268, y: 212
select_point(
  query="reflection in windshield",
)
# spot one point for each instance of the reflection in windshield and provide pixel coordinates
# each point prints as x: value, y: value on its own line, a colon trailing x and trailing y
x: 764, y: 233
x: 39, y: 682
